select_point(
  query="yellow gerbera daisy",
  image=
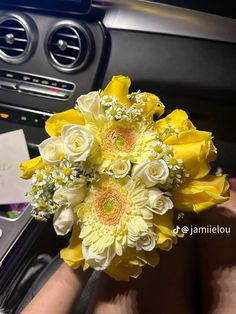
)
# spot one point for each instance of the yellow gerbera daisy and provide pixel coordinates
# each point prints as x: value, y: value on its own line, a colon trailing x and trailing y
x: 122, y: 140
x: 112, y: 218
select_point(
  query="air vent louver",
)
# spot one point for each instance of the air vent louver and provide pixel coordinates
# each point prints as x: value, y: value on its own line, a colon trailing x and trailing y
x: 15, y: 38
x: 68, y: 47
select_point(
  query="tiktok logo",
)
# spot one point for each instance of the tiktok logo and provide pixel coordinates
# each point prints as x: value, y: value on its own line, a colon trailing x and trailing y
x: 183, y: 229
x: 176, y: 230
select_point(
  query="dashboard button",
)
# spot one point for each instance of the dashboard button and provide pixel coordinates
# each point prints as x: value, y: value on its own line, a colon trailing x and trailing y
x: 8, y: 85
x: 36, y: 80
x: 9, y: 75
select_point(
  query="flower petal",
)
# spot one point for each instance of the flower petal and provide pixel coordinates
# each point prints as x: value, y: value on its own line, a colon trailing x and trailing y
x: 197, y: 195
x: 131, y: 263
x: 178, y: 119
x: 63, y: 220
x: 28, y: 167
x: 195, y: 149
x: 119, y: 88
x: 153, y: 106
x: 72, y: 255
x: 55, y: 123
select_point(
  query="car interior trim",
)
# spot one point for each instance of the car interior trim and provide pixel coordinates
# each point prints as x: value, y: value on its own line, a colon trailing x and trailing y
x: 145, y: 16
x: 31, y: 32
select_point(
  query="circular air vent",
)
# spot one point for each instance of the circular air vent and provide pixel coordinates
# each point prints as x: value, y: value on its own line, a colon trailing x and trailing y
x: 69, y: 46
x: 16, y: 38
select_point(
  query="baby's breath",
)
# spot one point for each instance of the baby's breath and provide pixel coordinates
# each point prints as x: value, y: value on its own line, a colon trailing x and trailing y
x: 167, y: 131
x: 177, y: 174
x: 176, y: 170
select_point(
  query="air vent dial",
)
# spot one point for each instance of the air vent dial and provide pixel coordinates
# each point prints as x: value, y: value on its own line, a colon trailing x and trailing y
x: 16, y: 38
x: 69, y: 46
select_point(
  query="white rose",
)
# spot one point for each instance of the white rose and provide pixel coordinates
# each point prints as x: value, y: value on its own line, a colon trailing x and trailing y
x: 77, y: 142
x: 151, y: 173
x: 120, y: 168
x: 147, y: 241
x: 158, y: 202
x: 98, y: 261
x: 72, y: 195
x: 51, y: 150
x: 63, y: 220
x: 89, y: 106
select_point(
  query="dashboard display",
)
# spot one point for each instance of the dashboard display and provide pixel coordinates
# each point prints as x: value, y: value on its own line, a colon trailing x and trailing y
x: 71, y: 6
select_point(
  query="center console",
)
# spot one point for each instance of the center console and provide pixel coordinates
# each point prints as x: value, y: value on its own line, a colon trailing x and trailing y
x: 49, y: 55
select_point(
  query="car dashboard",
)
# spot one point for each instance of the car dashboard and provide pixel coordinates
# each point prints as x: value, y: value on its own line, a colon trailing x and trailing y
x: 52, y: 53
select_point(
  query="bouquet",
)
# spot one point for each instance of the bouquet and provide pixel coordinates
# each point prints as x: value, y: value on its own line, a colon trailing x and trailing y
x: 116, y: 174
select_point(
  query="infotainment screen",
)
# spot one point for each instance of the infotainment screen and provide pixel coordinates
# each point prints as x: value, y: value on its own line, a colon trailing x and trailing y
x: 71, y: 6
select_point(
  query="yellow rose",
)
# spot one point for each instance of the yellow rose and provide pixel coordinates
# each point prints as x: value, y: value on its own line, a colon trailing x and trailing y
x: 130, y: 264
x: 195, y: 148
x: 119, y: 88
x: 165, y: 242
x: 55, y: 123
x: 72, y: 255
x: 197, y: 195
x: 163, y: 226
x: 153, y: 105
x: 177, y: 119
x: 28, y: 167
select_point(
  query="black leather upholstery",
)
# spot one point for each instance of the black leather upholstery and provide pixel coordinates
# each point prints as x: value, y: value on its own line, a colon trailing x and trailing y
x: 21, y: 282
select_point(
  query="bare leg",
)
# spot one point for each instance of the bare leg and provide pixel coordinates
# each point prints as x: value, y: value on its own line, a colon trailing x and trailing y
x: 217, y: 259
x: 60, y: 292
x: 169, y: 288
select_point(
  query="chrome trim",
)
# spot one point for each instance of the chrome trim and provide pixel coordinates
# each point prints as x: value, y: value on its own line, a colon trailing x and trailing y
x: 70, y: 92
x: 31, y: 34
x: 145, y: 16
x: 80, y: 30
x: 38, y: 76
x: 45, y: 114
